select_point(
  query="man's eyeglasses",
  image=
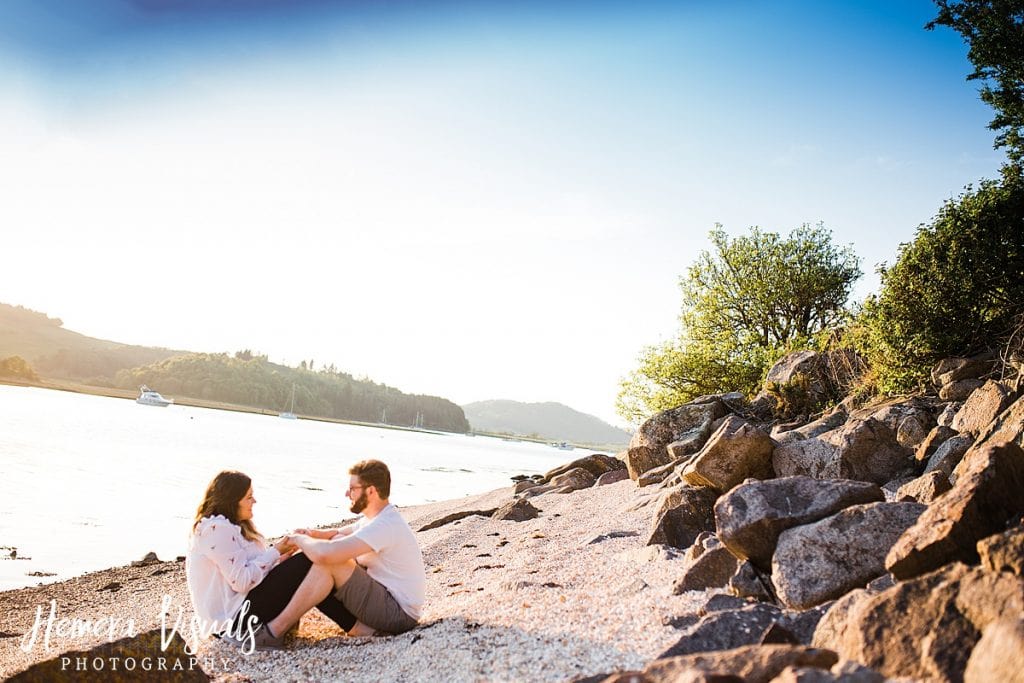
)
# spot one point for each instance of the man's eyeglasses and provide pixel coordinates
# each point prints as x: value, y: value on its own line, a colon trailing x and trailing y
x: 352, y: 488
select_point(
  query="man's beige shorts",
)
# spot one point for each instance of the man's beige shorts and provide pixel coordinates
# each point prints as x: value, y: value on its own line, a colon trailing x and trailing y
x: 372, y: 604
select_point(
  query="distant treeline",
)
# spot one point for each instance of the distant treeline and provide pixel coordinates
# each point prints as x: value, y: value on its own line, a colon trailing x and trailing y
x: 251, y: 380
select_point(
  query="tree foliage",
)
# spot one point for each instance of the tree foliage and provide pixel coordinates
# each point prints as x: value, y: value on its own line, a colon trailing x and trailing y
x: 994, y: 30
x: 745, y: 302
x: 955, y: 290
x: 18, y: 368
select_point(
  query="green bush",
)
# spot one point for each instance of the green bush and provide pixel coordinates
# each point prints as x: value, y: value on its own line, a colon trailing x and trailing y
x: 957, y: 289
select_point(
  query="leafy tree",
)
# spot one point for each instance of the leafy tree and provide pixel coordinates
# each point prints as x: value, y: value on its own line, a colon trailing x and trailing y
x: 18, y: 367
x: 994, y: 30
x: 745, y: 302
x: 955, y: 290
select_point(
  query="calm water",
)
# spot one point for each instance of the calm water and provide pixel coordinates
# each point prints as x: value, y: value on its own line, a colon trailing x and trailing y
x: 88, y: 482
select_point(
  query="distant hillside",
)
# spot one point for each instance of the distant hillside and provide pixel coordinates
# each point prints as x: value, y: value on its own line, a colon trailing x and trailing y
x: 62, y: 354
x: 552, y: 421
x: 244, y: 379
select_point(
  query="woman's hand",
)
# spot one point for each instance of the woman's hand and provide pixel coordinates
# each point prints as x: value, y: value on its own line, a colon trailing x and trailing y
x: 285, y: 547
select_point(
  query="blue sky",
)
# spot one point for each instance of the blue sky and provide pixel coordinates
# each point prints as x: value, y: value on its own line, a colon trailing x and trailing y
x: 471, y: 199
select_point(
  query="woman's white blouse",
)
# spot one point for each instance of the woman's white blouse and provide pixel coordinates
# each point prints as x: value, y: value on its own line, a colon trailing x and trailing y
x: 222, y: 566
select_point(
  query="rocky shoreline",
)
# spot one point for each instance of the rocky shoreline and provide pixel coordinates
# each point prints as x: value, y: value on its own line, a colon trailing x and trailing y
x: 873, y: 543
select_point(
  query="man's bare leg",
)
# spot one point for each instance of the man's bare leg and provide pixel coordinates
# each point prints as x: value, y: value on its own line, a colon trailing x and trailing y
x: 321, y: 581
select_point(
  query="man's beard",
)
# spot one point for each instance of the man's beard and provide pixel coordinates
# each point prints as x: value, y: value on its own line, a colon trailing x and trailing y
x: 359, y: 504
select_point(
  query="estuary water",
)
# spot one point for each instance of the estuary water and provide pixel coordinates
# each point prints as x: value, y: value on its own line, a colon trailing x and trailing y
x: 89, y: 482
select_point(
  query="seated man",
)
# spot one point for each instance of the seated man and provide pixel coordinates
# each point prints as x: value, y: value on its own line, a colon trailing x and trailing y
x: 373, y: 567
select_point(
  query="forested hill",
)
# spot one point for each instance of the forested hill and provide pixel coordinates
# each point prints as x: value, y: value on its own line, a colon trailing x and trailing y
x: 549, y: 420
x: 251, y: 380
x: 56, y: 352
x: 245, y: 379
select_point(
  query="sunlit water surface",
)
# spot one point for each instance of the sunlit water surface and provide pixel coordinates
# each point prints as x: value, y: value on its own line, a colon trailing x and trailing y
x: 88, y: 482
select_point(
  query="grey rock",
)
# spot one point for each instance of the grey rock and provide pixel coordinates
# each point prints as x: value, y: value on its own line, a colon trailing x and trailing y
x: 1008, y: 427
x: 960, y: 390
x: 954, y: 369
x: 597, y: 464
x: 720, y: 602
x: 523, y: 485
x: 725, y: 630
x: 982, y: 407
x: 750, y: 517
x: 656, y: 475
x: 802, y: 624
x: 866, y: 450
x: 935, y: 438
x: 518, y: 510
x: 707, y: 564
x: 737, y: 450
x: 925, y: 488
x: 945, y: 418
x: 985, y: 497
x: 577, y: 478
x: 947, y: 456
x: 862, y: 449
x: 684, y: 513
x: 750, y: 582
x: 692, y: 421
x: 824, y: 560
x: 826, y: 423
x: 640, y: 459
x: 751, y: 663
x: 612, y: 477
x: 999, y: 654
x: 1004, y: 552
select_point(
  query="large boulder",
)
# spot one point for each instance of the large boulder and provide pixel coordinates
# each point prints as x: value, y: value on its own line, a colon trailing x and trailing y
x: 725, y: 630
x: 925, y: 488
x: 986, y: 495
x: 689, y: 423
x: 924, y: 628
x: 935, y: 438
x: 999, y: 654
x: 862, y: 449
x: 893, y: 632
x: 707, y: 564
x: 752, y: 663
x: 684, y: 513
x: 737, y: 450
x: 1009, y: 426
x: 959, y: 390
x: 518, y: 510
x: 982, y: 407
x: 818, y: 562
x: 947, y: 456
x: 955, y: 369
x: 1004, y: 552
x: 751, y: 516
x: 575, y: 479
x: 825, y: 423
x: 597, y: 464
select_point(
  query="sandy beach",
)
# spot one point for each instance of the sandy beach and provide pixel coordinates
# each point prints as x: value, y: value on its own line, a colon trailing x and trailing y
x: 571, y: 594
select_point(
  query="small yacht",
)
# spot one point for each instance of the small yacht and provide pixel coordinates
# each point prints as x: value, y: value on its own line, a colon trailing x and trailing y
x: 562, y: 445
x: 148, y: 397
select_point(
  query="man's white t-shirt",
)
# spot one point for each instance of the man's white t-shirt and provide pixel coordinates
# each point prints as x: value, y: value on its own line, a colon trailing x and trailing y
x: 396, y: 561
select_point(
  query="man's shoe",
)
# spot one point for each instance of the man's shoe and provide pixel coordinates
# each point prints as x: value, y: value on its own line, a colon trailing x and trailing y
x: 265, y: 640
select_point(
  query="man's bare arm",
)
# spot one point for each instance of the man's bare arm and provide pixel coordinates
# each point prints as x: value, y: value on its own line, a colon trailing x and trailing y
x: 335, y: 551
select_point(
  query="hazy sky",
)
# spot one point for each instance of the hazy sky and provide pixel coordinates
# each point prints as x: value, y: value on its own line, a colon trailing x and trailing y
x: 468, y: 199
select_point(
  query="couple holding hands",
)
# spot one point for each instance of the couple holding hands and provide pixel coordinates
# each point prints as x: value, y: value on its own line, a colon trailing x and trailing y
x: 368, y: 577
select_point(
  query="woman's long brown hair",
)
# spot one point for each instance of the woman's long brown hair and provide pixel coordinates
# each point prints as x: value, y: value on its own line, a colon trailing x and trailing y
x: 222, y: 497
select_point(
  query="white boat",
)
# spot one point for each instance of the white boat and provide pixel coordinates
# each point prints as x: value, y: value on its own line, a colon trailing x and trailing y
x: 148, y: 397
x: 563, y: 445
x: 290, y: 413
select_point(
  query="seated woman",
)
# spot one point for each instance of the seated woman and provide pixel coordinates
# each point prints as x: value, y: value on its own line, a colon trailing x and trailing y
x: 236, y: 580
